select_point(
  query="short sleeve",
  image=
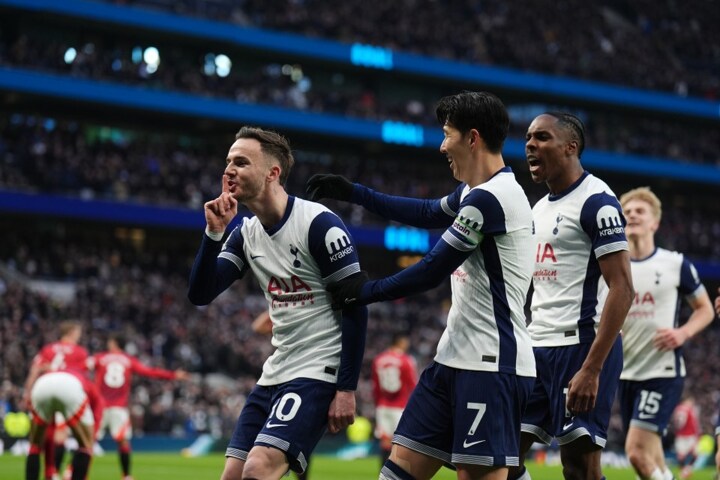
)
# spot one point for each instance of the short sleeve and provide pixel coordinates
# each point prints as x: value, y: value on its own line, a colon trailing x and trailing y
x: 480, y: 214
x: 602, y: 220
x: 690, y: 284
x: 332, y: 247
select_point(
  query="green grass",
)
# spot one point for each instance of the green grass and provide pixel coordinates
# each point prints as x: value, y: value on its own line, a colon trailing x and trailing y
x: 175, y: 467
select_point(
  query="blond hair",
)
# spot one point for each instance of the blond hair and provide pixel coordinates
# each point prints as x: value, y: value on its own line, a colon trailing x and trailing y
x: 646, y: 195
x: 67, y: 326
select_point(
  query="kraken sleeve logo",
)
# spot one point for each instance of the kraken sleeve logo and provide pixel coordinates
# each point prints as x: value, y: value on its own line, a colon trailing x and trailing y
x: 337, y: 243
x: 608, y: 221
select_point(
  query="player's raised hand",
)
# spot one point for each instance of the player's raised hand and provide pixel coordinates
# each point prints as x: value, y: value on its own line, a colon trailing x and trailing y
x: 582, y: 391
x: 326, y: 185
x: 220, y: 212
x: 342, y: 411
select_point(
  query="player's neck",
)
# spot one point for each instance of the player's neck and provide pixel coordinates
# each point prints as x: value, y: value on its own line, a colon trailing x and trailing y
x: 641, y: 247
x: 486, y: 167
x: 571, y: 174
x: 270, y: 207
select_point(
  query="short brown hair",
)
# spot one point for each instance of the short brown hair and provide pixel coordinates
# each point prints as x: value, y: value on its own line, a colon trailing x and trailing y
x: 68, y: 326
x: 646, y: 195
x: 272, y: 144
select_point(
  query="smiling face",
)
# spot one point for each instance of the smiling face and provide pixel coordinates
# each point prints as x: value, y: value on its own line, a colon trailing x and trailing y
x: 247, y: 169
x: 456, y: 147
x: 552, y: 154
x: 641, y: 221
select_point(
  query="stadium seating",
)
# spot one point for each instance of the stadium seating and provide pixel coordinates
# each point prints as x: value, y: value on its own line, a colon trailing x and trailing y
x: 130, y: 277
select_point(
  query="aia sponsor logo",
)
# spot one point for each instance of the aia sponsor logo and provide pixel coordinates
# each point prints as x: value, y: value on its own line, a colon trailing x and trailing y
x: 460, y: 275
x: 545, y: 274
x: 545, y: 254
x: 643, y: 306
x: 289, y: 292
x: 644, y: 299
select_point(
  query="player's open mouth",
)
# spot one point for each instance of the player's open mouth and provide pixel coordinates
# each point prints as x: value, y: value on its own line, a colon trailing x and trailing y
x: 534, y: 164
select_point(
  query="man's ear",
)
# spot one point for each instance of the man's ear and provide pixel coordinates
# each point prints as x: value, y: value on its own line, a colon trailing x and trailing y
x: 474, y: 138
x: 274, y: 173
x: 572, y: 147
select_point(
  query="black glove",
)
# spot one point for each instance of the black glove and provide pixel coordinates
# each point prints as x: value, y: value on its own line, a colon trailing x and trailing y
x: 346, y: 292
x: 327, y: 185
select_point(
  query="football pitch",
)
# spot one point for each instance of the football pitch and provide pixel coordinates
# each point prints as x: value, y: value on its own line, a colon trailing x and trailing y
x: 148, y: 466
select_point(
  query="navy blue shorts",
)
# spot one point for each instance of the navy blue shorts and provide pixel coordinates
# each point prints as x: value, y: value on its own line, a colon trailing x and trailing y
x: 546, y: 416
x: 649, y: 404
x: 291, y: 417
x: 465, y: 416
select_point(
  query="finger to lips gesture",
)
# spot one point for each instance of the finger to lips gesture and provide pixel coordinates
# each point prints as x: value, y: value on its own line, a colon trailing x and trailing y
x: 220, y: 212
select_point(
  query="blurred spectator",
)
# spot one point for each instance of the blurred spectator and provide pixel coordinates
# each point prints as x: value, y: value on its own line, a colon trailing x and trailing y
x: 657, y: 45
x: 308, y: 86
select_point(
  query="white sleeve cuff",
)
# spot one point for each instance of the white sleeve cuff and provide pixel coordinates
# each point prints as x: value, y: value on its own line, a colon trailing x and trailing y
x: 214, y: 236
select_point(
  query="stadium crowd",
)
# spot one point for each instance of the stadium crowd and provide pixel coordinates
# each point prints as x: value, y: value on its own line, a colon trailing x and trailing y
x: 80, y: 159
x: 320, y: 89
x: 142, y: 293
x: 653, y: 45
x: 117, y: 288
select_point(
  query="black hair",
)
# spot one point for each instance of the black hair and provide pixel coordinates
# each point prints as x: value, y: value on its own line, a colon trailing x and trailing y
x: 481, y: 111
x: 119, y: 339
x: 574, y: 126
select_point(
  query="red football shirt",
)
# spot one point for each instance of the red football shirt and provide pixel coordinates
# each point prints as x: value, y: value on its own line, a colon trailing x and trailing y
x: 62, y: 356
x: 113, y: 375
x: 394, y: 375
x: 685, y: 420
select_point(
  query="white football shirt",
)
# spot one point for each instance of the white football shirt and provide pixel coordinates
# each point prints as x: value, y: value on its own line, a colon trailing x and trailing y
x: 659, y: 282
x: 292, y: 263
x: 572, y: 230
x: 486, y: 328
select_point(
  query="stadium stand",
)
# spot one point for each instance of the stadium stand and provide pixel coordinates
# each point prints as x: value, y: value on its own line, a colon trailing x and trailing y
x: 305, y: 86
x: 664, y: 46
x: 127, y: 275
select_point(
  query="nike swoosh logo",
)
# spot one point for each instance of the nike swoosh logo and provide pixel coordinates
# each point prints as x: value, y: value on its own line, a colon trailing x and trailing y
x: 253, y: 257
x: 567, y: 425
x: 350, y: 300
x: 643, y: 416
x: 467, y: 444
x: 274, y: 425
